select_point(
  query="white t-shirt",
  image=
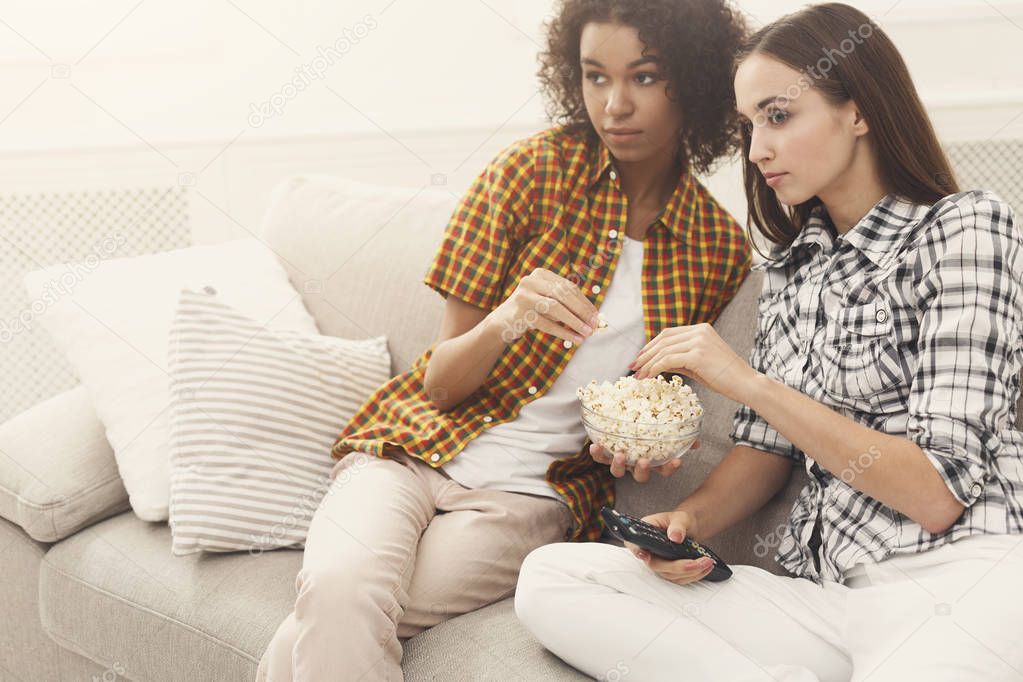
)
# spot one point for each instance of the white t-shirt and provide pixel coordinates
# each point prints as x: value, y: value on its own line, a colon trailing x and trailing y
x: 515, y: 455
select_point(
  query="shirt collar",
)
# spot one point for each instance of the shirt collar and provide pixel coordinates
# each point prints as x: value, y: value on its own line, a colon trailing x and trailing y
x: 817, y: 231
x: 877, y: 235
x: 677, y: 212
x: 601, y: 165
x: 880, y: 233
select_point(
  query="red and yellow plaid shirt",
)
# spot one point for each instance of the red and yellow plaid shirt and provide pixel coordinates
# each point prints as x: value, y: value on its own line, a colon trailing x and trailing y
x: 551, y: 201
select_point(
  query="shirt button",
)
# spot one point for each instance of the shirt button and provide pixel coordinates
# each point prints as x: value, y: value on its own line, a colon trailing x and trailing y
x: 976, y: 489
x: 488, y: 419
x: 881, y: 316
x: 595, y: 288
x: 435, y: 457
x: 567, y: 344
x: 613, y: 234
x: 532, y: 390
x: 614, y: 176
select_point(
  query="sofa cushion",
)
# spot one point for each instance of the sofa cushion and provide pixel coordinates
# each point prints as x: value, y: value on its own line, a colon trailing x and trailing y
x: 487, y: 644
x: 26, y: 653
x: 751, y: 541
x: 360, y: 257
x: 57, y: 470
x: 114, y: 592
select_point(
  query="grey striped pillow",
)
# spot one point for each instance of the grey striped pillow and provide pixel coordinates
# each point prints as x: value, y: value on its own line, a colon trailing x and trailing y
x: 254, y: 413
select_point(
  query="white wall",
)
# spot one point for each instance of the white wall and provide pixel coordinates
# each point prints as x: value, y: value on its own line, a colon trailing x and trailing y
x: 124, y: 72
x: 165, y: 92
x: 187, y: 70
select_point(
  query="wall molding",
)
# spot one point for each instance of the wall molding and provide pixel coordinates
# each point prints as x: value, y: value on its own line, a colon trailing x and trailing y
x: 950, y: 13
x: 958, y: 102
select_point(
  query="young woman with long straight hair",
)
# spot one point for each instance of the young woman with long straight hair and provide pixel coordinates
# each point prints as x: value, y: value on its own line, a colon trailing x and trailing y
x: 886, y: 363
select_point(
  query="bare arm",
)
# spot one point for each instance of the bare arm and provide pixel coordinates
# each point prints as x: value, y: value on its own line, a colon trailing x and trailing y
x: 472, y: 340
x: 467, y: 349
x: 896, y: 473
x: 738, y: 486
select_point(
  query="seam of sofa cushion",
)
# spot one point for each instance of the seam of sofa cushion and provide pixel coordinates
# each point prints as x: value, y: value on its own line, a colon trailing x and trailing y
x: 75, y: 648
x: 119, y: 508
x: 205, y: 635
x: 50, y: 511
x: 64, y: 500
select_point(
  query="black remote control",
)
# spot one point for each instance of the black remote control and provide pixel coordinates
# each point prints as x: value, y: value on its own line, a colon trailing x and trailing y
x: 656, y: 541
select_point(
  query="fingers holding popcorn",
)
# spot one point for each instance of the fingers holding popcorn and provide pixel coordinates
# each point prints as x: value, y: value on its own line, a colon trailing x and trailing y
x: 699, y: 352
x: 549, y: 303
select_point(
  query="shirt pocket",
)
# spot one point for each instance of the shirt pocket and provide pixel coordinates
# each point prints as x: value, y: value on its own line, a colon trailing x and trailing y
x: 859, y: 353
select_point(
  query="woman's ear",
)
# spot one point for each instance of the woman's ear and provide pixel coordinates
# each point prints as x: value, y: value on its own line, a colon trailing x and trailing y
x: 860, y: 126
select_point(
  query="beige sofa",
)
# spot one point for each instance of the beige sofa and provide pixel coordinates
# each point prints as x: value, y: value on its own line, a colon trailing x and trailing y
x: 91, y: 592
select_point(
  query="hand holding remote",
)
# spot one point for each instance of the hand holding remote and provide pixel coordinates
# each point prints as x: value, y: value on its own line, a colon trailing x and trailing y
x: 656, y: 553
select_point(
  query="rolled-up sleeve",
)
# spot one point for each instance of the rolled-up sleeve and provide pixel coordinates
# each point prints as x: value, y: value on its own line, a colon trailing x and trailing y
x: 749, y: 428
x: 476, y: 251
x: 969, y: 342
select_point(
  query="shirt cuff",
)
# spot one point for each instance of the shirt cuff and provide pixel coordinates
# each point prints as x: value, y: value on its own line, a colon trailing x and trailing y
x: 757, y: 434
x: 966, y: 476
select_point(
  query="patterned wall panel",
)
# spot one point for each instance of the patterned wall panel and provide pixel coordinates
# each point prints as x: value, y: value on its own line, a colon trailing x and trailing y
x: 39, y: 229
x: 996, y: 165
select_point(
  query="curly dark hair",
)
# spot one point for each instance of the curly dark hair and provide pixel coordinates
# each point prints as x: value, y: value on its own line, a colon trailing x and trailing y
x: 697, y: 41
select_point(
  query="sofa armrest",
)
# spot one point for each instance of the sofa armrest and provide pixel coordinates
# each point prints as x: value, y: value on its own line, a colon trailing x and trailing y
x: 57, y: 470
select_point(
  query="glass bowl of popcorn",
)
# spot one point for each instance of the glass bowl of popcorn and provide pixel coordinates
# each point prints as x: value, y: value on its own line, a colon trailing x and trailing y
x: 652, y: 418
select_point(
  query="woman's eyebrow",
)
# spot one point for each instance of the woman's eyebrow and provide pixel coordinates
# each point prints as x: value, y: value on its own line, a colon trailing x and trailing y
x: 768, y: 100
x: 630, y: 65
x: 764, y: 102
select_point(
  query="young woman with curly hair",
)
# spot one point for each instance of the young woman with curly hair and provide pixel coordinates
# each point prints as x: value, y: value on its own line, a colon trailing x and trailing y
x: 886, y: 364
x: 452, y: 472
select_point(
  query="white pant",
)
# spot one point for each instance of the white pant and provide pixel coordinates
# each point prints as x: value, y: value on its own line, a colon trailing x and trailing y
x: 953, y: 613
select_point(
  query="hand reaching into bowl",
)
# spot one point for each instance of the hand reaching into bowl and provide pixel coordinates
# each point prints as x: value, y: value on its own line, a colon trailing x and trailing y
x: 641, y: 470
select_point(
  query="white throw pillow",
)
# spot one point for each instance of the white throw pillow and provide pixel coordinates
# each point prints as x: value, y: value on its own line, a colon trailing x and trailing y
x: 112, y: 320
x: 254, y: 413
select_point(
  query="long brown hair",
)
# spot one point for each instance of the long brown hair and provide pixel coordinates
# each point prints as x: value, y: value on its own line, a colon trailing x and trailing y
x: 841, y: 53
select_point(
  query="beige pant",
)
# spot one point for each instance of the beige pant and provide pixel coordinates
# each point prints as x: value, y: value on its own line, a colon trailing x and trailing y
x: 397, y: 547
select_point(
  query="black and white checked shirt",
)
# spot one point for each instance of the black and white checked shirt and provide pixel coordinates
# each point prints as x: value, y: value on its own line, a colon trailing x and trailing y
x: 912, y: 324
